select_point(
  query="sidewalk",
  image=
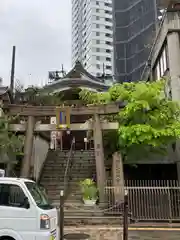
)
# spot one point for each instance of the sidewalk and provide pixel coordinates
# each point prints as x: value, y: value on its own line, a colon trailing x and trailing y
x: 154, y: 226
x: 132, y: 227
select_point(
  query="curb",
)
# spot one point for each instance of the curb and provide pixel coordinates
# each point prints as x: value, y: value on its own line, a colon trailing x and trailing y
x: 177, y: 229
x: 103, y: 228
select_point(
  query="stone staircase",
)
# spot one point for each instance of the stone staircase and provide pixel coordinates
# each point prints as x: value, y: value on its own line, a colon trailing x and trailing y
x: 52, y: 178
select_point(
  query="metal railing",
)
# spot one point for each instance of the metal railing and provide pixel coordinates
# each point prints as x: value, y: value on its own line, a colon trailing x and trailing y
x: 148, y: 200
x: 67, y: 173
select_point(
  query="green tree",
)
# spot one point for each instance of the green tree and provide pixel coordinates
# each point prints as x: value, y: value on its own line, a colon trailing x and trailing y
x: 38, y: 96
x: 148, y: 123
x: 10, y: 143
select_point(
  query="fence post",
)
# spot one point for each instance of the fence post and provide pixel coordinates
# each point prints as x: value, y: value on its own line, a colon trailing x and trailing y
x: 61, y: 216
x: 125, y: 222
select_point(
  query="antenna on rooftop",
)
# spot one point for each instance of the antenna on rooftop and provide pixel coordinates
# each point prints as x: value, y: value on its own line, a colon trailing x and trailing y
x: 62, y: 71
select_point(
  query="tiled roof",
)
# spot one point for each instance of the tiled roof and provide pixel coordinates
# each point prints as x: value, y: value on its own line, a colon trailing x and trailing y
x: 77, y: 70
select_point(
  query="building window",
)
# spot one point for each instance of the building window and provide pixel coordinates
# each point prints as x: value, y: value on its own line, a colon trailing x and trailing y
x: 108, y: 4
x: 108, y: 19
x: 97, y: 26
x: 11, y: 195
x: 98, y: 58
x: 98, y: 66
x: 97, y: 33
x: 161, y: 67
x: 108, y: 43
x: 108, y: 67
x: 97, y: 10
x: 108, y: 27
x: 97, y: 17
x: 97, y: 49
x: 162, y: 64
x: 108, y: 59
x: 108, y: 35
x: 97, y: 3
x: 158, y: 72
x: 108, y: 51
x: 97, y: 41
x: 108, y: 12
x: 164, y: 57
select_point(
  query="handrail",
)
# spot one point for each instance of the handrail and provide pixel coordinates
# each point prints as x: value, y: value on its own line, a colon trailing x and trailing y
x: 68, y: 166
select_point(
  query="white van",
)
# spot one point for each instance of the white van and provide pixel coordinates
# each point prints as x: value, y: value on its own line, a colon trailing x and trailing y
x: 25, y: 213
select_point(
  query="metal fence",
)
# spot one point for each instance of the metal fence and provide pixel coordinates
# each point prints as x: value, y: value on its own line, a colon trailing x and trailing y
x: 148, y: 200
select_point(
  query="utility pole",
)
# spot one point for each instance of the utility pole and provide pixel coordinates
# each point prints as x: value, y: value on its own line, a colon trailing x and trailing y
x: 13, y: 71
x: 103, y: 70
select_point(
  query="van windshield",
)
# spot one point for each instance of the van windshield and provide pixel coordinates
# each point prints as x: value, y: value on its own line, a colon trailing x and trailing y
x: 39, y: 195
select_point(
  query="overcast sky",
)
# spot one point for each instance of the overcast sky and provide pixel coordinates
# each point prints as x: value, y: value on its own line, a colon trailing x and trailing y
x: 41, y: 32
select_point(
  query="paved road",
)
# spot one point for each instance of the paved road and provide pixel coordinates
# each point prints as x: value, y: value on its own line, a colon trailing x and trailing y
x: 154, y: 235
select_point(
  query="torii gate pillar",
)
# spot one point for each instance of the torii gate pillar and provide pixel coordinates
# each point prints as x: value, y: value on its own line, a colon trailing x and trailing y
x: 28, y: 147
x: 99, y: 156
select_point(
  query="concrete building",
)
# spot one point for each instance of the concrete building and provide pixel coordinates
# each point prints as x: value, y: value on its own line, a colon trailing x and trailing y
x: 134, y: 28
x: 164, y: 60
x: 92, y: 35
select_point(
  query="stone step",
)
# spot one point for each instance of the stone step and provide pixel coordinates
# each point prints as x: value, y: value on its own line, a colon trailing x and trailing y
x: 57, y: 179
x: 77, y: 167
x: 74, y: 158
x: 76, y: 172
x: 72, y: 191
x: 64, y: 164
x: 73, y: 220
x: 59, y: 171
x: 60, y: 182
x: 55, y: 197
x: 71, y: 185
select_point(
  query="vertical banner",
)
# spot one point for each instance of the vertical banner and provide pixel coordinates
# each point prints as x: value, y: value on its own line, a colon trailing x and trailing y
x: 53, y: 143
x: 63, y: 118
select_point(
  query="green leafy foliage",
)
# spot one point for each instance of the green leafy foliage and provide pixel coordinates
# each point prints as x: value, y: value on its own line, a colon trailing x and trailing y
x: 38, y: 96
x: 89, y: 189
x: 10, y: 143
x: 147, y: 124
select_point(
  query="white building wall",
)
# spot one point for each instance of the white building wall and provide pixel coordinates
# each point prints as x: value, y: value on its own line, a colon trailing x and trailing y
x: 92, y: 35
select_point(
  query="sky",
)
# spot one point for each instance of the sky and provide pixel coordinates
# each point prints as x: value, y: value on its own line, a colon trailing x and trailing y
x: 41, y: 32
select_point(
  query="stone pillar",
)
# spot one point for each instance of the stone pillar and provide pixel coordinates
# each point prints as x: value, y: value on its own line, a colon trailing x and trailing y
x: 28, y: 147
x: 173, y: 42
x: 99, y: 156
x: 118, y: 177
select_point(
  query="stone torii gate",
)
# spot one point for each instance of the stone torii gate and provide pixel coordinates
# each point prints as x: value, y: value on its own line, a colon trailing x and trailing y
x: 31, y: 113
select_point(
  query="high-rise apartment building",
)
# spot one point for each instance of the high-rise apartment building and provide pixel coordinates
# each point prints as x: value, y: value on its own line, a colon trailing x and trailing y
x: 135, y: 23
x: 92, y: 35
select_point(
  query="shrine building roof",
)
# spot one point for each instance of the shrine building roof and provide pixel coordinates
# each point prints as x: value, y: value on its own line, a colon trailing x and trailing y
x: 75, y: 78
